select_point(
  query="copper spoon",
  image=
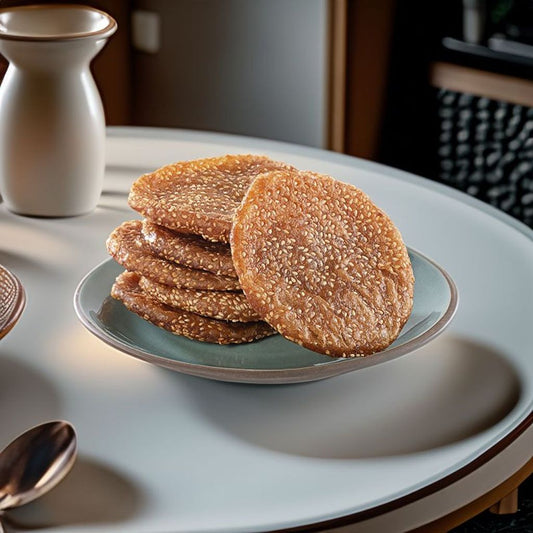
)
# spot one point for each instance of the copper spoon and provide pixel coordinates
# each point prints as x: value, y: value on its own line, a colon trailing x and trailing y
x: 35, y: 462
x: 12, y: 300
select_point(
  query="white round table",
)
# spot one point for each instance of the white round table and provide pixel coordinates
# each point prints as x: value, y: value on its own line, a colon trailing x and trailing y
x: 388, y: 448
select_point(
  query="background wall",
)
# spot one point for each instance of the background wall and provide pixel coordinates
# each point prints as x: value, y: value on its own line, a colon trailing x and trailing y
x: 253, y: 67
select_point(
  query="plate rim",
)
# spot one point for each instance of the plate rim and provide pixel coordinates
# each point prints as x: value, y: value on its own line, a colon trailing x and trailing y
x: 279, y: 376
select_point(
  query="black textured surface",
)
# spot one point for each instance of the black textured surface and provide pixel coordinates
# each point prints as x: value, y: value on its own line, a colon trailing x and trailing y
x: 520, y: 522
x: 486, y: 149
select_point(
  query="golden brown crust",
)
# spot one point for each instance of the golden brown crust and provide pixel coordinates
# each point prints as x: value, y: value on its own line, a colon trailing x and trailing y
x: 321, y: 263
x: 126, y: 289
x: 223, y: 305
x: 189, y: 250
x: 198, y: 196
x: 127, y: 247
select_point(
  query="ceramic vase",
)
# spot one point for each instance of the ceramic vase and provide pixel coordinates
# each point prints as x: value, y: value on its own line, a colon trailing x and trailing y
x: 52, y: 124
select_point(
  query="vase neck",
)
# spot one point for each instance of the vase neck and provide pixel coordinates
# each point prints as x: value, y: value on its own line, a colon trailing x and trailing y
x: 51, y: 56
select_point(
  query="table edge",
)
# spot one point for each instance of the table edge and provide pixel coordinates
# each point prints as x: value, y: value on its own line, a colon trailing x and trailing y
x: 418, y: 494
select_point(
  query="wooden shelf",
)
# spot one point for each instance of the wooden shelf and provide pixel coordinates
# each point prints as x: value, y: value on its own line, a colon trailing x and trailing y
x: 482, y: 83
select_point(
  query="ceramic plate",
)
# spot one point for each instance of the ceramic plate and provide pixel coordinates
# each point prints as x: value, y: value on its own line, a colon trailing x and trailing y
x: 271, y: 360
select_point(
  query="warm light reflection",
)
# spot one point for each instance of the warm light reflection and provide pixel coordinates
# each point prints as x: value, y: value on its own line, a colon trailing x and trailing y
x: 80, y: 351
x: 34, y: 242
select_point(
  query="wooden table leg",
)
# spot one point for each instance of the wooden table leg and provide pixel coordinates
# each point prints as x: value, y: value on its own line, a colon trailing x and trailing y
x: 507, y: 505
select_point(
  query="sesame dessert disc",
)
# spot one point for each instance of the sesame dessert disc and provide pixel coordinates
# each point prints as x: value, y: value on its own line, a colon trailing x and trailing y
x: 192, y: 251
x: 127, y: 246
x: 321, y: 263
x: 199, y: 196
x: 224, y: 305
x: 126, y: 289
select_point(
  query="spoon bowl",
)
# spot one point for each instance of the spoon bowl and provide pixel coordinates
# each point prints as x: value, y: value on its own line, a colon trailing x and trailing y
x: 12, y: 300
x: 35, y: 462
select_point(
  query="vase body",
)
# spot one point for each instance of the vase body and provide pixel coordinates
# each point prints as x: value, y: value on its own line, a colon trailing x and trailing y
x: 52, y: 124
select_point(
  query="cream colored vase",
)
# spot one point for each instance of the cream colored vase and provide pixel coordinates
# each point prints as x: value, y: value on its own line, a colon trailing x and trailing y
x: 52, y: 124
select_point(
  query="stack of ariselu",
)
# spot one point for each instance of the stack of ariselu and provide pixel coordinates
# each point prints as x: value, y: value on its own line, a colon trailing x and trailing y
x: 179, y: 273
x: 236, y: 248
